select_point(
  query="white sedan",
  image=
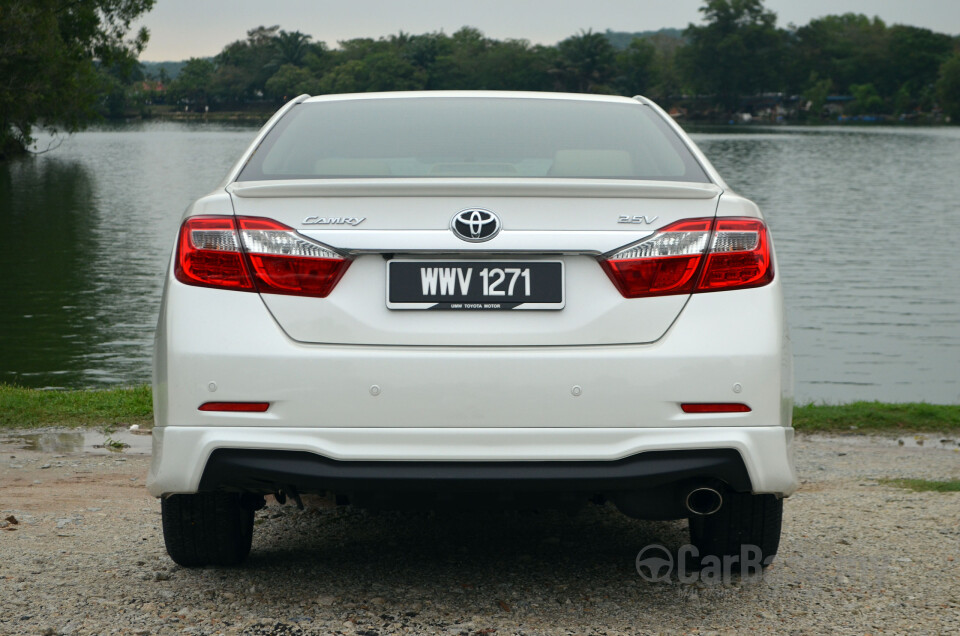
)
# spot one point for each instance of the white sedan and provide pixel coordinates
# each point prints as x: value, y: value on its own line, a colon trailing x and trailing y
x: 473, y: 299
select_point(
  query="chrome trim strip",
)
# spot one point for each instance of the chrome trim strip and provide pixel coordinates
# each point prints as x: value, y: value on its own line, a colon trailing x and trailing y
x: 444, y: 241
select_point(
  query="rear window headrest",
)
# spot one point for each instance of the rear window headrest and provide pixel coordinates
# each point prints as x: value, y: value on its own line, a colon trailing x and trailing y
x: 592, y: 163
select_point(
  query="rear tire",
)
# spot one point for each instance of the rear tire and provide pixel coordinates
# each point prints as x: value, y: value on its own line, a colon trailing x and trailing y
x: 208, y: 528
x: 743, y: 520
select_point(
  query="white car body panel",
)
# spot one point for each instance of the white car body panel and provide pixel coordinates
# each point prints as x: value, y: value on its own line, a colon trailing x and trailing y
x: 355, y: 313
x: 701, y: 359
x: 347, y: 378
x: 764, y: 449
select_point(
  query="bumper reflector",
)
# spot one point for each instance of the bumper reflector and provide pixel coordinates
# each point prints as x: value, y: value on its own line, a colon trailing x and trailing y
x: 235, y: 407
x: 720, y: 407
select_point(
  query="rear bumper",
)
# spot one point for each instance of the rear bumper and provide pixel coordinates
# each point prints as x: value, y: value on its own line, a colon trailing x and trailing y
x: 190, y: 459
x: 266, y: 472
x: 224, y: 346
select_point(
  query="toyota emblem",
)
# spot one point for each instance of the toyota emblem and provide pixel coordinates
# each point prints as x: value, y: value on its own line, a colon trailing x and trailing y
x: 475, y: 224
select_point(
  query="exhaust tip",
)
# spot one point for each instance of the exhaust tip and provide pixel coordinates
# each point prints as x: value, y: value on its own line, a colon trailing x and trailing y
x: 704, y: 501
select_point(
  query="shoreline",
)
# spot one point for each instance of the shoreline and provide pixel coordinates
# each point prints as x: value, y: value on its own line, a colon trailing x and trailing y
x: 24, y: 408
x: 260, y: 113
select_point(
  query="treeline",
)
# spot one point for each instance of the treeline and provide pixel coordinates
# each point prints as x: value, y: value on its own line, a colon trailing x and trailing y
x: 65, y: 63
x: 738, y: 53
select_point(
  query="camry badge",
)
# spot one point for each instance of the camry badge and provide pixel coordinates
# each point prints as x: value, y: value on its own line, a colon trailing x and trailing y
x: 334, y: 220
x: 475, y: 225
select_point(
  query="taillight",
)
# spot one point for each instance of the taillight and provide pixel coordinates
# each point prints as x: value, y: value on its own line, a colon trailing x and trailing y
x: 696, y: 255
x: 285, y: 262
x: 255, y: 254
x: 665, y: 263
x: 208, y: 254
x: 739, y: 256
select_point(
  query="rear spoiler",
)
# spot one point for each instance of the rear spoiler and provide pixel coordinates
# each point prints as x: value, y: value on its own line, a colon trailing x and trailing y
x: 449, y: 187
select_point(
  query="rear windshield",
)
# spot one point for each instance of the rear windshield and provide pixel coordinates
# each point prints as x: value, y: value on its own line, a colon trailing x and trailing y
x: 449, y: 137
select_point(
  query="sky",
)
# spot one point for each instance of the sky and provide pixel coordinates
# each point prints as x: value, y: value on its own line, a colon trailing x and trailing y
x: 180, y: 29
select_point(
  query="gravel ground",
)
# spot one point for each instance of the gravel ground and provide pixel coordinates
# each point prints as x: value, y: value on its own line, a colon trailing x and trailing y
x: 85, y: 556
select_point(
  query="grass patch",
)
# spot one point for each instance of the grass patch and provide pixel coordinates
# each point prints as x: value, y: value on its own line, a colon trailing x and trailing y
x: 879, y: 417
x: 30, y: 408
x: 924, y: 485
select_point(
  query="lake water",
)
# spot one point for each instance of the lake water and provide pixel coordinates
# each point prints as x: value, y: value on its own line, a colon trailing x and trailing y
x: 866, y: 223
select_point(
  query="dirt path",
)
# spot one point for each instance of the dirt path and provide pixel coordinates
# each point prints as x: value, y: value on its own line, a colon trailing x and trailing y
x: 86, y: 556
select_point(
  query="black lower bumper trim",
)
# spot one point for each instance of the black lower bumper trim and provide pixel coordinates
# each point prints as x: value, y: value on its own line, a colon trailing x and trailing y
x: 266, y: 471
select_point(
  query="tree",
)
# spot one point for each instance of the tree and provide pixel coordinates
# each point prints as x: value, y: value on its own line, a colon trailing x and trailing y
x: 384, y: 70
x: 666, y: 71
x: 636, y: 72
x: 586, y: 62
x: 193, y: 83
x: 289, y: 81
x: 948, y: 87
x: 49, y: 51
x: 849, y: 49
x: 116, y: 84
x: 738, y: 52
x: 423, y: 50
x: 914, y: 57
x: 867, y: 100
x: 243, y: 67
x: 816, y: 94
x: 289, y: 48
x: 460, y: 65
x: 515, y: 65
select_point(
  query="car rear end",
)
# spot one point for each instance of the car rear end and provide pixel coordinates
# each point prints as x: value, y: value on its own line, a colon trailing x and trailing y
x: 473, y: 299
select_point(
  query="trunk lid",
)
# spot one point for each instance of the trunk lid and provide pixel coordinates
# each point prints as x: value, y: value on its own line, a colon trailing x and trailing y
x: 571, y: 221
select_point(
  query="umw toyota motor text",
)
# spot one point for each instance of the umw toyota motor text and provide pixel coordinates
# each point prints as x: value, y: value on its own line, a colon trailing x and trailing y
x: 473, y: 299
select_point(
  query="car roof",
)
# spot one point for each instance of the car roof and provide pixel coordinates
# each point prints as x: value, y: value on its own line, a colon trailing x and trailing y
x: 473, y: 95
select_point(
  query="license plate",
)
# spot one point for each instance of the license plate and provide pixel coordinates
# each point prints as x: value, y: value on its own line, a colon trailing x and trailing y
x: 474, y: 285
